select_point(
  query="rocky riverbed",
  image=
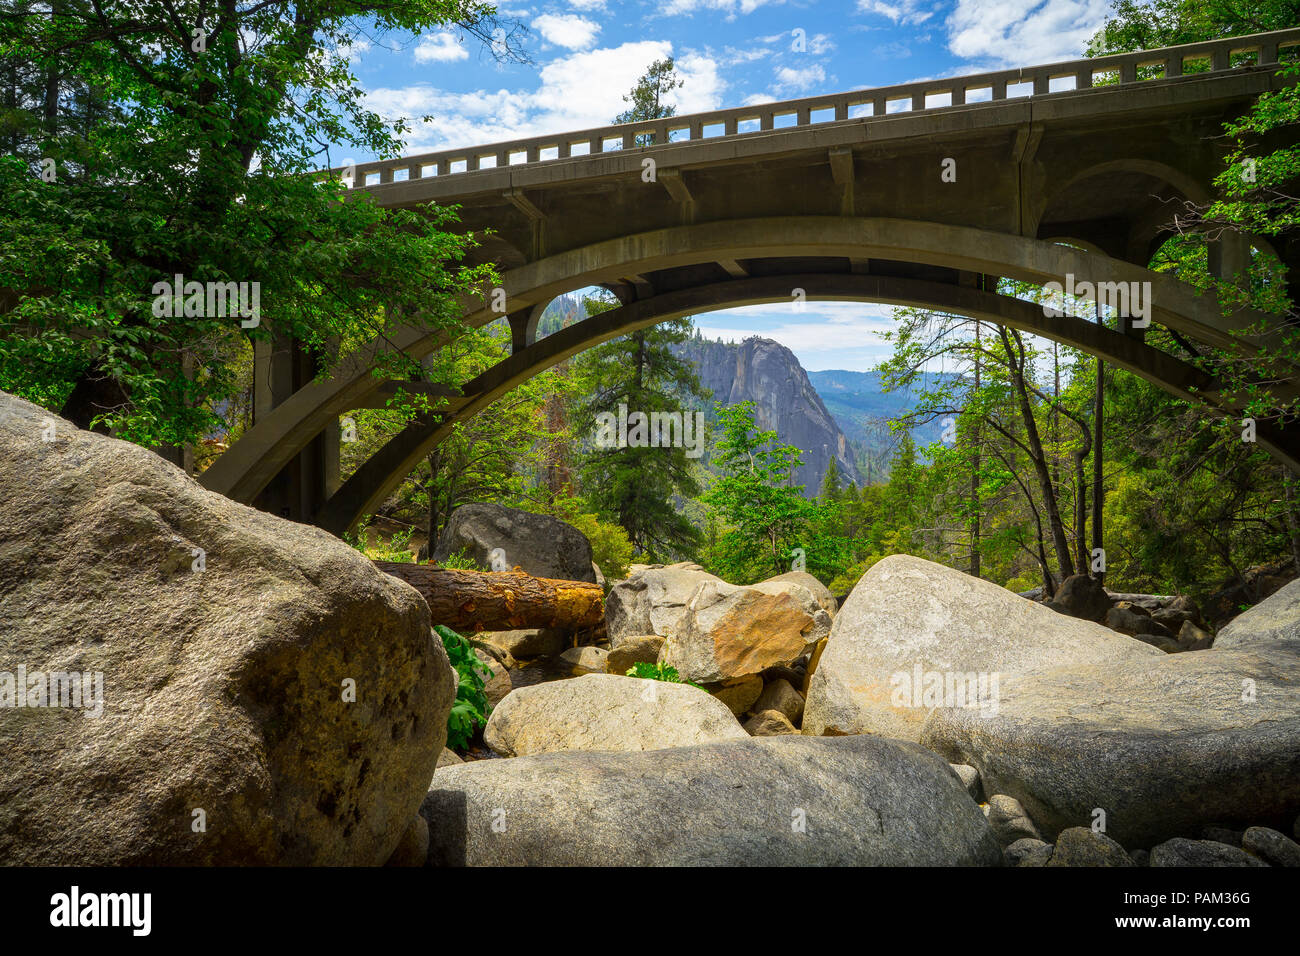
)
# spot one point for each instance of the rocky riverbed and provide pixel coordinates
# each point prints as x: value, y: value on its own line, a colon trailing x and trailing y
x: 269, y: 697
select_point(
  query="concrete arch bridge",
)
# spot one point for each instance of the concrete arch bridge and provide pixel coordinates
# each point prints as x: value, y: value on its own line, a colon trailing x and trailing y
x: 923, y: 194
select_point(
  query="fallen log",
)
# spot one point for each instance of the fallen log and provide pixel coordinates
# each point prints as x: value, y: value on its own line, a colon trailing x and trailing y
x: 470, y: 601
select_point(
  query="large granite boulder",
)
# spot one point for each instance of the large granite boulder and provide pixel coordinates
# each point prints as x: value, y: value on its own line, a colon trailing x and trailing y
x: 652, y: 600
x: 607, y: 712
x: 761, y: 801
x: 730, y: 631
x: 268, y: 696
x: 915, y: 635
x: 1273, y: 619
x: 543, y: 546
x: 1163, y: 746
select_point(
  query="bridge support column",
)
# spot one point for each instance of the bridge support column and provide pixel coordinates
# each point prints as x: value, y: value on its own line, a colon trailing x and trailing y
x: 523, y: 327
x: 281, y: 367
x: 1229, y: 257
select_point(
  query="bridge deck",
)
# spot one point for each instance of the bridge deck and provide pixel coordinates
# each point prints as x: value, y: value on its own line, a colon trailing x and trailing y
x: 1055, y: 80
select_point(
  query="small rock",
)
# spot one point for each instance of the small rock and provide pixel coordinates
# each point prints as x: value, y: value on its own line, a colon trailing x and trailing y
x: 586, y: 660
x: 1183, y: 852
x: 970, y: 778
x: 1222, y: 835
x: 1081, y: 846
x: 448, y: 758
x: 1194, y: 638
x: 413, y: 850
x: 740, y: 695
x: 1171, y: 620
x: 769, y: 723
x: 1009, y: 820
x: 1185, y: 605
x: 1271, y: 846
x: 1080, y: 596
x: 1038, y: 856
x: 534, y: 642
x: 1026, y: 847
x: 499, y: 684
x: 1133, y: 620
x: 779, y: 695
x: 1168, y: 645
x: 638, y: 649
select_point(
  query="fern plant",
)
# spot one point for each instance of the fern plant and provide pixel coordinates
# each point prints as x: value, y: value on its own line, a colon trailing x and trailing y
x: 660, y: 671
x: 470, y: 711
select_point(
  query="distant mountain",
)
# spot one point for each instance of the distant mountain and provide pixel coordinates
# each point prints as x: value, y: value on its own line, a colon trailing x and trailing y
x: 862, y: 409
x: 768, y: 374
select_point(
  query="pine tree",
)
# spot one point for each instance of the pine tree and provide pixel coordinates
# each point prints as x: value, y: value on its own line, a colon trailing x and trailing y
x: 631, y: 483
x: 765, y: 514
x: 637, y: 486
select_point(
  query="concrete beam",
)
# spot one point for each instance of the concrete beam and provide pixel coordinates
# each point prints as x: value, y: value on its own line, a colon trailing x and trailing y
x: 675, y: 183
x: 841, y: 159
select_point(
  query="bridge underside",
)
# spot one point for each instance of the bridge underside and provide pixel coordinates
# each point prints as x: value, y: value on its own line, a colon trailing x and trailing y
x: 854, y: 211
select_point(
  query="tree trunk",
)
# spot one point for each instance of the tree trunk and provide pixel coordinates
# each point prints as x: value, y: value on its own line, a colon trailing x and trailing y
x: 498, y: 601
x: 1060, y: 542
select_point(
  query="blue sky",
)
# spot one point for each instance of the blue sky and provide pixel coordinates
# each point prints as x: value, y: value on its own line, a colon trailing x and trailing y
x: 586, y: 54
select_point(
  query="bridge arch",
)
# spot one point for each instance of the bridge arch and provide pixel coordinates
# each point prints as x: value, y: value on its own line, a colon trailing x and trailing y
x: 380, y: 475
x: 681, y: 268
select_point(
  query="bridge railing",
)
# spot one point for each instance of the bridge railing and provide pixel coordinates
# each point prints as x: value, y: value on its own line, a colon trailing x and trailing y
x: 1122, y: 69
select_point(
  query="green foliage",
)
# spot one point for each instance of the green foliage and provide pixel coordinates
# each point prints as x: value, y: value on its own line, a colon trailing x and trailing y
x: 460, y: 561
x: 471, y: 710
x: 610, y: 548
x: 175, y: 159
x: 658, y: 671
x: 762, y: 514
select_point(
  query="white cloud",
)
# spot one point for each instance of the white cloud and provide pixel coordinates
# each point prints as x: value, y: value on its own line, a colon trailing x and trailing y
x: 730, y: 7
x: 790, y: 80
x: 579, y: 91
x: 1023, y: 32
x: 587, y: 5
x: 567, y: 30
x: 899, y: 11
x: 824, y: 335
x: 732, y: 56
x: 440, y: 48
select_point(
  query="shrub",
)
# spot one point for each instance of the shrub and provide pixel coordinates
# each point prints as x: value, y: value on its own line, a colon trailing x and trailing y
x: 470, y: 711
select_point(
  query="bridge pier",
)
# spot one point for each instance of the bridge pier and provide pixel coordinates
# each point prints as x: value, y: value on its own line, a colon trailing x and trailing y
x: 1229, y: 257
x: 281, y: 366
